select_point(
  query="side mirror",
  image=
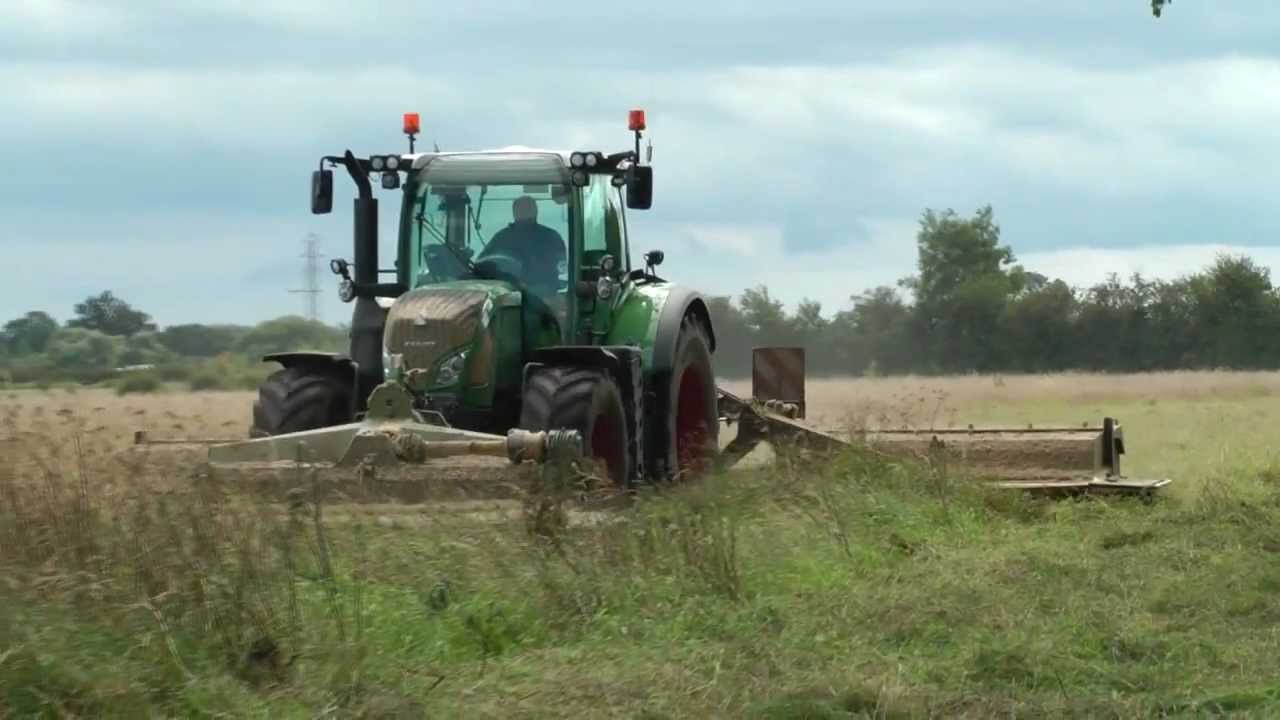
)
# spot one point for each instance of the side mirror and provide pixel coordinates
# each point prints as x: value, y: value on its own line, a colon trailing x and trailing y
x: 654, y: 258
x: 640, y: 187
x: 321, y: 191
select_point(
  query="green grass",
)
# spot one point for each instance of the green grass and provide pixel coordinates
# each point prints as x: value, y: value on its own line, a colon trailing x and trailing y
x: 858, y: 589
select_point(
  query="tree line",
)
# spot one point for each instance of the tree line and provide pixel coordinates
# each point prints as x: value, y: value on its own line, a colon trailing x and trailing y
x: 969, y: 307
x: 107, y: 336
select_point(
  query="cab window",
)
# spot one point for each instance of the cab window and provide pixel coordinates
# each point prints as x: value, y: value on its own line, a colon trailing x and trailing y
x: 601, y: 223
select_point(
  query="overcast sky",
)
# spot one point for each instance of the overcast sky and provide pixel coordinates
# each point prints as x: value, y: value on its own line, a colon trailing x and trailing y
x: 165, y: 154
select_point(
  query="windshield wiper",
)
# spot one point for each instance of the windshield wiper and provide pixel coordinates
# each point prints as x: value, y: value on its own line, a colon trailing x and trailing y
x: 456, y: 252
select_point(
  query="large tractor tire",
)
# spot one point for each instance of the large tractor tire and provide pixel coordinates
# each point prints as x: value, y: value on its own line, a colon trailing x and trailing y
x: 301, y: 398
x: 693, y: 420
x: 587, y: 400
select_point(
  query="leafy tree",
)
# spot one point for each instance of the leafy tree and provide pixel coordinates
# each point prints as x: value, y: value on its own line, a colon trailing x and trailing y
x: 194, y: 340
x: 765, y: 316
x: 28, y: 334
x: 110, y: 315
x: 1236, y: 300
x: 808, y: 325
x: 1037, y: 329
x: 80, y: 349
x: 964, y: 277
x: 733, y: 337
x: 144, y: 348
x: 874, y: 335
x: 291, y: 333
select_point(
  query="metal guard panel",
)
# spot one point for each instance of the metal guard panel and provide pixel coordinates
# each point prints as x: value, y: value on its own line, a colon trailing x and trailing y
x: 496, y: 168
x: 426, y: 323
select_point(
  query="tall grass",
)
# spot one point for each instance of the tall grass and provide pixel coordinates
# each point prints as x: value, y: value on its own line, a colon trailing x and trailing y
x: 839, y: 587
x: 181, y: 584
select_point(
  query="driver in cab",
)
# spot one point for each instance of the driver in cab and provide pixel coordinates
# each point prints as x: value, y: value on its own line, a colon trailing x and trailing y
x: 539, y: 248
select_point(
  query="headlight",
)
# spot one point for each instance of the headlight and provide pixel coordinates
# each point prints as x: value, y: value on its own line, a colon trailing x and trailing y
x: 393, y: 162
x: 392, y: 365
x: 451, y: 370
x: 376, y: 162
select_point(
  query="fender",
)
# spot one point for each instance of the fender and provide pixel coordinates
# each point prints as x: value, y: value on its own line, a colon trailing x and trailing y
x: 680, y: 301
x: 660, y: 453
x: 312, y: 359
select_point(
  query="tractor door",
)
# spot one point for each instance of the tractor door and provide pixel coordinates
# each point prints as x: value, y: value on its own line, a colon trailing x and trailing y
x: 602, y: 237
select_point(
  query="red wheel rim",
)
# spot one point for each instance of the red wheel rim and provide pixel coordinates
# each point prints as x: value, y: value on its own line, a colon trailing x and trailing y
x: 691, y: 413
x: 604, y: 446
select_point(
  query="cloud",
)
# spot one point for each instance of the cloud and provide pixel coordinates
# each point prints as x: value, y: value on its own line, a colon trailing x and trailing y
x: 225, y: 107
x: 727, y: 259
x: 1084, y: 267
x: 65, y: 18
x: 799, y: 164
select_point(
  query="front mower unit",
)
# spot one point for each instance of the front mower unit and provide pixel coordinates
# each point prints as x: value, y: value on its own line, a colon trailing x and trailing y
x: 391, y: 454
x: 1051, y: 460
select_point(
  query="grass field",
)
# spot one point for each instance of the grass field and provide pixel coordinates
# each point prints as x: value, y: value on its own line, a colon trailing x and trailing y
x: 863, y: 588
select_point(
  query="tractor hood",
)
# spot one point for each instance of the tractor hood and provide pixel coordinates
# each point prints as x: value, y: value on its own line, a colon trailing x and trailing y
x: 429, y: 323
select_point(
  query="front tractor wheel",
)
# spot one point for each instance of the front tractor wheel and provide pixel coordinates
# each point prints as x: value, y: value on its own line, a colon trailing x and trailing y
x: 693, y: 422
x: 301, y: 398
x: 587, y: 400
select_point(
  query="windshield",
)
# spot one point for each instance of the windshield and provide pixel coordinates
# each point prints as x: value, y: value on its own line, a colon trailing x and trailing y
x: 516, y: 232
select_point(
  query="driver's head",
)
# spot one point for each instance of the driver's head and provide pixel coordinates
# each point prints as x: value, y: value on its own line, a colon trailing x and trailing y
x: 524, y: 209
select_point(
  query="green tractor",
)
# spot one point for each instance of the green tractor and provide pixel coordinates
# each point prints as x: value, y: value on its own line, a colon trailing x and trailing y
x: 512, y: 305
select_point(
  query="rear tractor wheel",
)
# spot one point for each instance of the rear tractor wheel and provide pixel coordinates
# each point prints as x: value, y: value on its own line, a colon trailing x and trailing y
x: 301, y: 398
x: 587, y: 400
x: 693, y: 421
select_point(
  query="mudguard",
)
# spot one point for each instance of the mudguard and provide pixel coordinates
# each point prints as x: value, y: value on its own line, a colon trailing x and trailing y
x: 659, y: 452
x: 680, y: 301
x: 310, y: 358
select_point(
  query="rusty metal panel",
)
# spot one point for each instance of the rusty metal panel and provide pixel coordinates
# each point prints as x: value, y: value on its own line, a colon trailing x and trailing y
x: 426, y: 323
x: 777, y: 373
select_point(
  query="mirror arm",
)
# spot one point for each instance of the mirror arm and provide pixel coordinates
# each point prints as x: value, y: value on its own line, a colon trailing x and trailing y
x: 358, y: 175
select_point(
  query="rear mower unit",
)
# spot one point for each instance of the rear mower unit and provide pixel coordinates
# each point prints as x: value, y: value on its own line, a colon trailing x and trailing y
x: 1053, y: 460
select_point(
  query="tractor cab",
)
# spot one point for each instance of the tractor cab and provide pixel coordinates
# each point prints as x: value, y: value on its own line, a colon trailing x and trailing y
x: 515, y: 216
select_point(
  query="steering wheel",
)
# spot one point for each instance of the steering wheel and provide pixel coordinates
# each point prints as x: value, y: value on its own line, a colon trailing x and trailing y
x: 501, y: 263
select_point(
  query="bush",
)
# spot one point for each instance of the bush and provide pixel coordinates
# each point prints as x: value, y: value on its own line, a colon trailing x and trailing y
x: 174, y: 371
x: 207, y: 380
x: 249, y: 379
x: 138, y: 383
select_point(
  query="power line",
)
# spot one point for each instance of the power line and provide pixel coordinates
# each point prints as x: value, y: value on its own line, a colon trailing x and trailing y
x: 311, y: 276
